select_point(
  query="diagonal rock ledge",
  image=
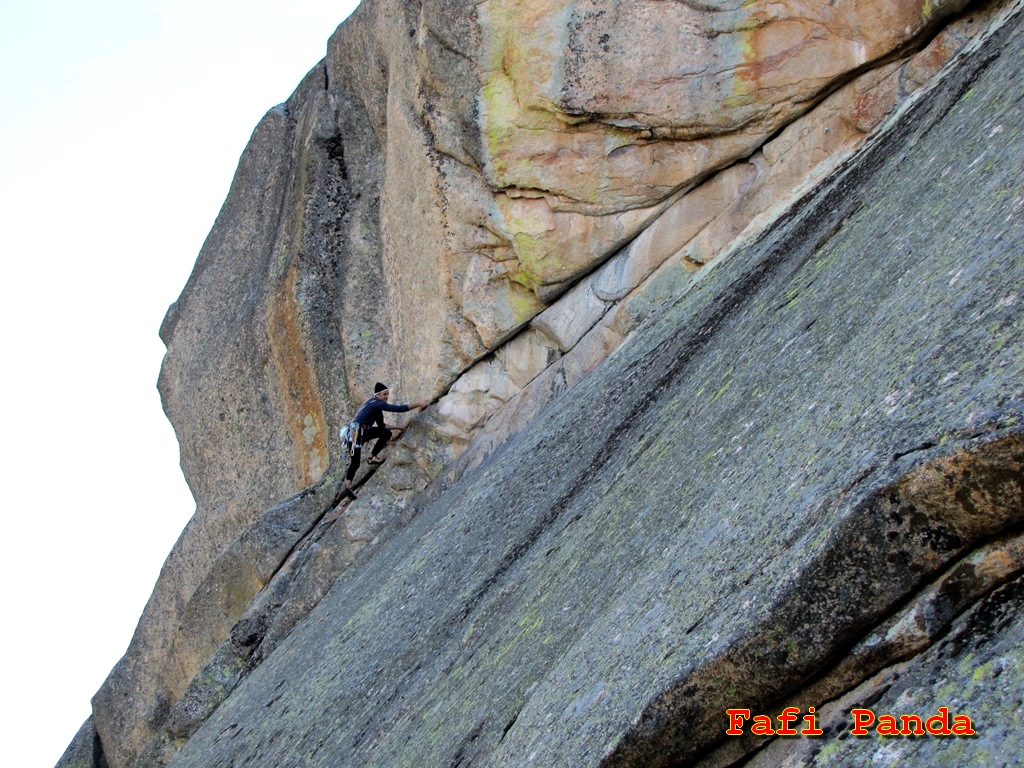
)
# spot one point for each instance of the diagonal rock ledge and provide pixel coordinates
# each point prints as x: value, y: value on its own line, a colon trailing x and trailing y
x: 561, y: 345
x: 964, y: 587
x: 521, y: 615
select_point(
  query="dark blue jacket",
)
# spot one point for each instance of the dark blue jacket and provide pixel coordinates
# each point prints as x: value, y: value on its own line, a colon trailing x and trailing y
x: 372, y: 411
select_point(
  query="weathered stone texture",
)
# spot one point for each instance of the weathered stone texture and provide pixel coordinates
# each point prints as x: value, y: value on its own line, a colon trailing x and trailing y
x: 823, y: 432
x: 596, y: 110
x: 976, y: 670
x: 902, y: 643
x: 85, y: 750
x: 478, y: 203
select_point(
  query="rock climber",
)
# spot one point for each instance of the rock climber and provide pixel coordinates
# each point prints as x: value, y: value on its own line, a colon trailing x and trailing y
x: 369, y: 425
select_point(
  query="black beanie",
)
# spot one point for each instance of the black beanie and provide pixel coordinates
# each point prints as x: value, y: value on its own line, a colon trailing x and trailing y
x: 378, y: 387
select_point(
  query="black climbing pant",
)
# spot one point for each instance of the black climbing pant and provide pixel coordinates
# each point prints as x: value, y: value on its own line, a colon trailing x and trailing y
x: 381, y: 434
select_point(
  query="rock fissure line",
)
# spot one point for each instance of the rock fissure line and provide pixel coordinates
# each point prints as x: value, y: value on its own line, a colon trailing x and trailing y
x: 400, y: 471
x: 845, y: 563
x: 878, y: 676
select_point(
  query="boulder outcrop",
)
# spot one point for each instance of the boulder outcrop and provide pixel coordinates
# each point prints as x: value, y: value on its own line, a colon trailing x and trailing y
x: 810, y: 422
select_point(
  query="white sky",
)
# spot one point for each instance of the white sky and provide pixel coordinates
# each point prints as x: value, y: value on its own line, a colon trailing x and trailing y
x: 121, y: 123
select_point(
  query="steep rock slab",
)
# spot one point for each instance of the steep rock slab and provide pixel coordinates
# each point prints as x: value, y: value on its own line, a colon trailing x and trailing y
x: 245, y: 377
x: 778, y: 463
x: 421, y: 261
x: 977, y: 670
x: 961, y: 672
x: 368, y: 151
x: 660, y: 265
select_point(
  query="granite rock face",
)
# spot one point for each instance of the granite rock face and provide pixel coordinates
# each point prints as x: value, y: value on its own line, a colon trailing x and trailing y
x: 480, y: 203
x: 825, y: 430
